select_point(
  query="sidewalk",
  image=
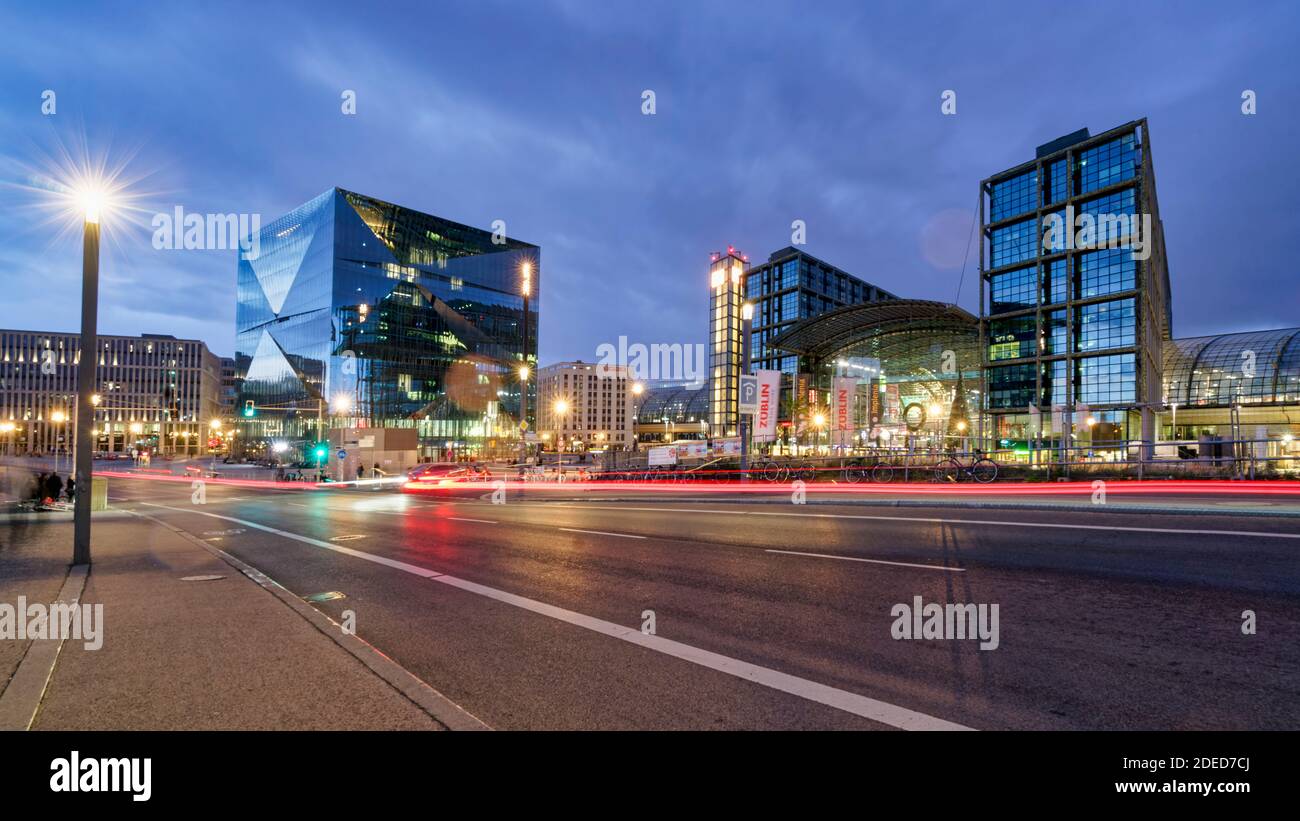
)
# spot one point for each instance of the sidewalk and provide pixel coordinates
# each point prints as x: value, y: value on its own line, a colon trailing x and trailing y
x: 219, y: 654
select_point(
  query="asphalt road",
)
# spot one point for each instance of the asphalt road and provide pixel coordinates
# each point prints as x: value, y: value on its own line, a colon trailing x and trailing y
x: 530, y: 614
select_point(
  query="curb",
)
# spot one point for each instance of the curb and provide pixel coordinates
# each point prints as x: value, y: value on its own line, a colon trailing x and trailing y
x: 20, y: 701
x: 60, y: 516
x: 442, y: 709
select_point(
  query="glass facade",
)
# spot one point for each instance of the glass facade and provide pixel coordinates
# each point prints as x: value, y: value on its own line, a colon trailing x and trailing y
x: 366, y: 314
x: 1247, y: 368
x: 1077, y: 316
x: 793, y: 286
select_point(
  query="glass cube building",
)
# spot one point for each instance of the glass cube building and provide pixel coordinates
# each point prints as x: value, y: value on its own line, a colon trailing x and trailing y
x: 355, y: 312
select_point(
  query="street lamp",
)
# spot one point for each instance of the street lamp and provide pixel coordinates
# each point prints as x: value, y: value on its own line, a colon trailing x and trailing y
x: 524, y: 373
x: 561, y: 407
x: 637, y: 389
x: 58, y: 418
x: 933, y: 411
x: 819, y: 421
x: 526, y: 290
x: 8, y: 427
x: 93, y: 199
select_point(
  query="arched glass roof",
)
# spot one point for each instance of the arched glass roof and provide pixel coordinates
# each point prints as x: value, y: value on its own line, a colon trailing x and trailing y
x: 680, y: 404
x: 1259, y: 367
x: 829, y: 334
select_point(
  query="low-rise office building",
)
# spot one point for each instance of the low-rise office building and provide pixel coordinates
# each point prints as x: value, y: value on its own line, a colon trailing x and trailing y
x: 583, y: 406
x: 154, y: 391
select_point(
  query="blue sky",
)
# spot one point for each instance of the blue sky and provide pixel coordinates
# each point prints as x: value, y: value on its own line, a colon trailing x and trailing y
x: 531, y: 113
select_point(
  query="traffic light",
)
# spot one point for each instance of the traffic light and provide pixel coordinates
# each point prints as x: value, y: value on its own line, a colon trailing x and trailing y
x: 321, y: 451
x: 249, y: 410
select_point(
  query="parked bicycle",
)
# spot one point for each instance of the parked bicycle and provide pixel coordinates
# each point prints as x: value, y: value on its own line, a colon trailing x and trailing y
x: 981, y: 469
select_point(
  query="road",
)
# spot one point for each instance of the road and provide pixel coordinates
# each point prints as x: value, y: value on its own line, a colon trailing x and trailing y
x: 530, y: 614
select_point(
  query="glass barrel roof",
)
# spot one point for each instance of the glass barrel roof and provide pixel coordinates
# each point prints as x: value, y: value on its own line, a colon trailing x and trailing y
x: 1259, y: 367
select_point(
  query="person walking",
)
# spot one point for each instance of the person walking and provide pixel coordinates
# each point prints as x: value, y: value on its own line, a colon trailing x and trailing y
x: 54, y: 487
x: 71, y: 490
x: 38, y: 488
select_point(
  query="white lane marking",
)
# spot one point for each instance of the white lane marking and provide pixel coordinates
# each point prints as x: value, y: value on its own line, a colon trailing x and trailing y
x: 859, y: 705
x: 464, y: 519
x: 932, y: 520
x: 872, y: 561
x: 603, y: 533
x: 393, y: 563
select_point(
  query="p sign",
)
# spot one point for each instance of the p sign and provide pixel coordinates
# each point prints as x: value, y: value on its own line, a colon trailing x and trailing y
x: 748, y: 394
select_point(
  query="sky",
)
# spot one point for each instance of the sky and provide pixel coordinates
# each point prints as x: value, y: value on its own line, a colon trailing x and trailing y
x: 532, y: 113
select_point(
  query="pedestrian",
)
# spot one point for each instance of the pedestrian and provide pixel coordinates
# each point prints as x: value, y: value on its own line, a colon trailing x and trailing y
x: 71, y: 490
x: 38, y: 488
x: 54, y: 487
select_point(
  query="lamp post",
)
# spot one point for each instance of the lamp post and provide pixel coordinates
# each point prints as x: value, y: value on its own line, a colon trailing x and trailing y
x: 526, y: 289
x: 58, y: 417
x: 91, y: 202
x: 524, y: 373
x: 561, y: 408
x: 637, y: 390
x: 819, y: 422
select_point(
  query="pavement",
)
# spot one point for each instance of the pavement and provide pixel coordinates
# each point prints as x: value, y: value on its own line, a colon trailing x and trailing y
x: 219, y: 651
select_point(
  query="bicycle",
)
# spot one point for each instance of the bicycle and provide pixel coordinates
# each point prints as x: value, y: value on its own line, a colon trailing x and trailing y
x: 981, y: 469
x: 774, y: 471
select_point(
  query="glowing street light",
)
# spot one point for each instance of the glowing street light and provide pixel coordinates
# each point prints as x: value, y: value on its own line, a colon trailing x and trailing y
x: 342, y: 403
x: 215, y: 424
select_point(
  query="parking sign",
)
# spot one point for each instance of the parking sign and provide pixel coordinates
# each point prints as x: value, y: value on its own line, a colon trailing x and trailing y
x: 748, y: 393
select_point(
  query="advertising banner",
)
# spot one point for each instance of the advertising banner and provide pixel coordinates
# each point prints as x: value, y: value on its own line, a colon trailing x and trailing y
x: 843, y: 392
x: 769, y: 405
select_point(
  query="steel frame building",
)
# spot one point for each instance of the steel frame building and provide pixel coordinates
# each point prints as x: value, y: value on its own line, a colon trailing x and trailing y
x: 1062, y: 325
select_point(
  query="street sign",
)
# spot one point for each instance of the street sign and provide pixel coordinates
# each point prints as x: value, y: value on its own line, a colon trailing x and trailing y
x: 343, y: 454
x: 523, y: 425
x: 748, y: 393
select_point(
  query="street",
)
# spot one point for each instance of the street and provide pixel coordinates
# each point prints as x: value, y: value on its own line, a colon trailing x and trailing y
x: 669, y: 613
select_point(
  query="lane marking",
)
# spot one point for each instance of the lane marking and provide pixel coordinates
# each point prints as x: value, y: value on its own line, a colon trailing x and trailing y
x: 872, y: 561
x: 931, y: 520
x: 853, y: 703
x: 603, y: 533
x: 349, y: 538
x: 464, y: 519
